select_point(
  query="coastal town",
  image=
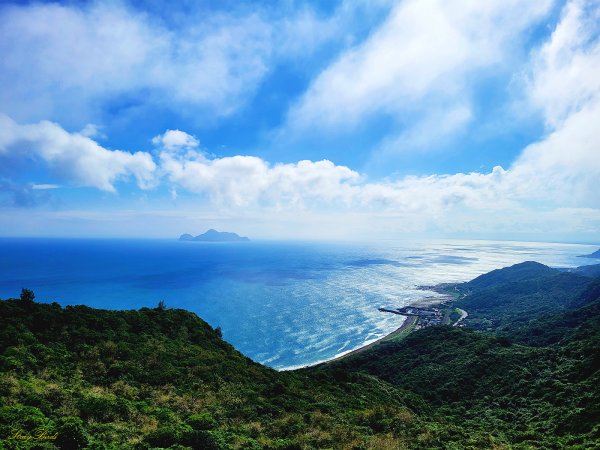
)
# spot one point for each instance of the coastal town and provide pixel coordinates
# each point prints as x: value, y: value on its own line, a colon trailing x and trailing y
x: 432, y: 316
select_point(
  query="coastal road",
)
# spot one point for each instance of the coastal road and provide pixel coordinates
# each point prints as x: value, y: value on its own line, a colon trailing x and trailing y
x: 463, y: 316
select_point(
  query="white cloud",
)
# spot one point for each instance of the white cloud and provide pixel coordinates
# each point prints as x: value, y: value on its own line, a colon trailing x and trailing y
x: 434, y: 128
x: 565, y: 72
x: 424, y: 59
x: 175, y: 139
x: 66, y: 62
x: 564, y: 168
x: 71, y: 62
x: 248, y: 181
x: 44, y: 186
x: 551, y: 185
x: 73, y: 156
x: 92, y: 130
x: 564, y: 83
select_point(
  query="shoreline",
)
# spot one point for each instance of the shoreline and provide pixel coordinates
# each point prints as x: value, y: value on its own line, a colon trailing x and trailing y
x: 406, y: 327
x: 408, y: 323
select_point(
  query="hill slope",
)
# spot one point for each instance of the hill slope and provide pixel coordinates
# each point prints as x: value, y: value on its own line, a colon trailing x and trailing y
x: 510, y: 297
x: 596, y: 254
x: 163, y: 378
x: 540, y: 388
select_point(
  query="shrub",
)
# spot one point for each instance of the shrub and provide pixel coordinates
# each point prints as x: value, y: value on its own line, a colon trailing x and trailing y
x: 168, y: 435
x: 202, y: 421
x: 71, y: 433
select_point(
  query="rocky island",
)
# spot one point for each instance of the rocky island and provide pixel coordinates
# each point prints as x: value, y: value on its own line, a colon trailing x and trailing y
x: 214, y: 236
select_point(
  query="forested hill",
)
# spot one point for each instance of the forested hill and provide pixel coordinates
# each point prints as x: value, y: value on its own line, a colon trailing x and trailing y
x: 534, y: 376
x: 526, y: 271
x: 507, y: 298
x: 163, y: 378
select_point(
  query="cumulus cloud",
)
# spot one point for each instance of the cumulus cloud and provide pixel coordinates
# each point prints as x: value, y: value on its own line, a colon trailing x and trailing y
x: 73, y: 156
x: 250, y: 181
x: 173, y: 140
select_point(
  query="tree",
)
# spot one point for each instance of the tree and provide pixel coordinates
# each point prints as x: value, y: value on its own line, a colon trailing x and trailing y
x: 161, y: 305
x: 219, y: 332
x: 27, y: 295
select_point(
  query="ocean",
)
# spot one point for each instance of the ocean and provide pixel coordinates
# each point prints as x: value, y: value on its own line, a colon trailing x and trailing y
x: 283, y: 304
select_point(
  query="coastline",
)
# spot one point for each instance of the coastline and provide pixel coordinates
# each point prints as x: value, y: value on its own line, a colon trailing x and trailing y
x: 407, y: 326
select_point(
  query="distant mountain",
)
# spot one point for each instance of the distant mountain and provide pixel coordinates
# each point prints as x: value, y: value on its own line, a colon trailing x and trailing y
x: 519, y: 272
x: 214, y: 236
x: 596, y: 254
x: 507, y: 298
x: 587, y: 271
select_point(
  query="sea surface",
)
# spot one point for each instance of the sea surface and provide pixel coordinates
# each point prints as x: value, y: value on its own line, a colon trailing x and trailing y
x: 284, y: 304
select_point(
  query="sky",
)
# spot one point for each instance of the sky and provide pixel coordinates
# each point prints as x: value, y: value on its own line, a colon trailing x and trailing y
x: 348, y: 119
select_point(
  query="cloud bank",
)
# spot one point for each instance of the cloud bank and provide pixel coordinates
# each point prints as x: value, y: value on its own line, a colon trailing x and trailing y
x: 401, y: 69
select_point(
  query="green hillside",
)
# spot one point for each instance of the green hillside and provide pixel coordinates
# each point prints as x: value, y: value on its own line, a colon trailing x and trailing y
x: 507, y: 298
x: 163, y: 378
x: 525, y: 271
x: 535, y: 379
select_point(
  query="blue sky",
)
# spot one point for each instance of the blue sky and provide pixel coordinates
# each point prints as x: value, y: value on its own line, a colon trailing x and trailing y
x: 347, y: 119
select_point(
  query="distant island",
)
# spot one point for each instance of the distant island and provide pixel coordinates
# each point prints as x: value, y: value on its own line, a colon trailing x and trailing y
x: 596, y: 254
x: 214, y: 236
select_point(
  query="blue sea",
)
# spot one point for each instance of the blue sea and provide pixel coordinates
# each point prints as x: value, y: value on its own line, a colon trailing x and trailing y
x: 284, y: 304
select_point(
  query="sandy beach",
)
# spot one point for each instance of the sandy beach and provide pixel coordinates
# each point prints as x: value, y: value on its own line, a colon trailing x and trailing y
x: 406, y: 326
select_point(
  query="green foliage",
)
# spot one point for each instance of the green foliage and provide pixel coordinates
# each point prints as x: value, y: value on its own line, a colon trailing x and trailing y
x: 536, y: 388
x: 27, y: 295
x: 202, y: 421
x: 71, y: 433
x: 163, y: 378
x: 508, y: 298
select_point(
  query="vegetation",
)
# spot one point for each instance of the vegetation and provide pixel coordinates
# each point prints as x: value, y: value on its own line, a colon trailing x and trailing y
x: 505, y: 299
x: 78, y: 377
x: 164, y: 378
